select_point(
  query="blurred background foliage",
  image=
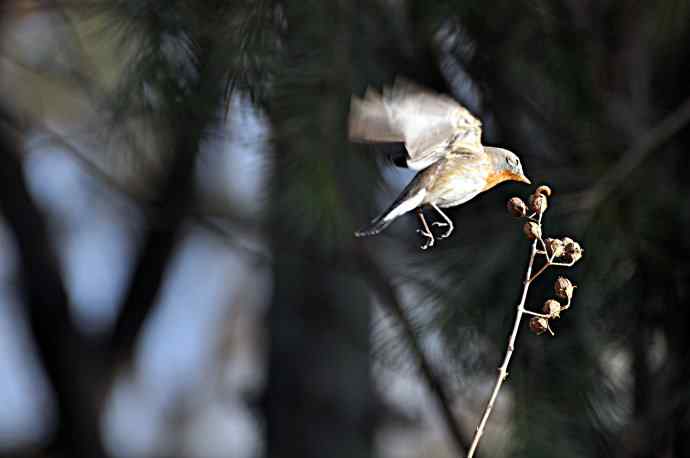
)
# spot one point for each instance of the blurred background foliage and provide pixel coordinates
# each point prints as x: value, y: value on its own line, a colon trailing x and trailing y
x: 177, y: 271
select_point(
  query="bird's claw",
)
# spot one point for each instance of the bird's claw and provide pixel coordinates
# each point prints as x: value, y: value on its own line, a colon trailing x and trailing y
x: 429, y: 239
x: 446, y: 234
x: 443, y: 224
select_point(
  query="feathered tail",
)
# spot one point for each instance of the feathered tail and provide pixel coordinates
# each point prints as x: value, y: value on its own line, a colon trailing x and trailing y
x: 407, y: 201
x: 376, y: 225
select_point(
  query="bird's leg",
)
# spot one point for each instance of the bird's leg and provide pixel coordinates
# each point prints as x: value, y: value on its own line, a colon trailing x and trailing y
x: 448, y: 222
x: 426, y: 232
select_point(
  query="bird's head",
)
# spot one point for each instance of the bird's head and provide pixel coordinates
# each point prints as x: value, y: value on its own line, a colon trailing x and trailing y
x: 506, y: 166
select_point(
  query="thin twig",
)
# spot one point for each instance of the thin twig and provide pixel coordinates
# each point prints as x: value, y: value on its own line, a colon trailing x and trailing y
x: 503, y: 370
x: 539, y: 272
x: 563, y: 264
x: 544, y: 250
x: 540, y: 315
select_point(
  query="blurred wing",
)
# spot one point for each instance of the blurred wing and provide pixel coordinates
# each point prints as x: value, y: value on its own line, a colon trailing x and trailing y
x: 428, y: 123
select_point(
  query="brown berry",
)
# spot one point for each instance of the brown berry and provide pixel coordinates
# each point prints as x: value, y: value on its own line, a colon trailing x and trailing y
x: 573, y: 251
x: 532, y: 230
x: 517, y: 207
x: 538, y: 203
x: 554, y: 247
x: 552, y: 308
x: 563, y: 288
x: 538, y: 325
x: 545, y: 190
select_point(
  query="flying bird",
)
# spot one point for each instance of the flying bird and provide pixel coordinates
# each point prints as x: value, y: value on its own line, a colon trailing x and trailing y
x: 443, y: 142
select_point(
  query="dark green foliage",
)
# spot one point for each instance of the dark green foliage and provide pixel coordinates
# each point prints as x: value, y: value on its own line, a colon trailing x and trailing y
x: 570, y: 86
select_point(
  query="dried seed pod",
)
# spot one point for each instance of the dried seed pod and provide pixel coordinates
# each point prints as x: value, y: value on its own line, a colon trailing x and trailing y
x: 538, y: 325
x: 545, y: 190
x: 563, y: 288
x: 517, y: 207
x: 532, y: 230
x: 538, y: 203
x: 555, y: 247
x: 552, y: 308
x: 573, y: 251
x: 567, y: 240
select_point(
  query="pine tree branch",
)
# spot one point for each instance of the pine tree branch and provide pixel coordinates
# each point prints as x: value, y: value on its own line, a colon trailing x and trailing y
x: 164, y: 230
x: 633, y: 157
x: 379, y: 283
x: 175, y: 200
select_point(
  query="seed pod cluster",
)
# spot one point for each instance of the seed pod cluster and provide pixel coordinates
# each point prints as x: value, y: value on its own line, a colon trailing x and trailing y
x: 561, y: 252
x: 566, y: 249
x: 552, y: 309
x: 538, y: 203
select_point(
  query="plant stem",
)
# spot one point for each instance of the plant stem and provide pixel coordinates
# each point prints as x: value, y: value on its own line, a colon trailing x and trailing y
x: 540, y: 315
x: 539, y: 272
x: 503, y: 370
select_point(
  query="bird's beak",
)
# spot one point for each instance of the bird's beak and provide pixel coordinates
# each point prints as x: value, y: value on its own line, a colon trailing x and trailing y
x: 521, y: 178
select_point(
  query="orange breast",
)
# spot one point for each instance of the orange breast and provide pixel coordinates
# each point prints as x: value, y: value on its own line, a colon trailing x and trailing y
x: 498, y: 177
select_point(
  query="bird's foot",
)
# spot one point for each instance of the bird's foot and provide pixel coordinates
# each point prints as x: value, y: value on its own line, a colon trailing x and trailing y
x: 443, y: 224
x: 429, y: 239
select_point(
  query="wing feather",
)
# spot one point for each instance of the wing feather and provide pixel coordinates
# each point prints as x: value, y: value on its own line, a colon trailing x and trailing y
x: 429, y: 124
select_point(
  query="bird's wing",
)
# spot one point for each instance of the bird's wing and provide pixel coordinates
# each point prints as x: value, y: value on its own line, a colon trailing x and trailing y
x: 428, y: 123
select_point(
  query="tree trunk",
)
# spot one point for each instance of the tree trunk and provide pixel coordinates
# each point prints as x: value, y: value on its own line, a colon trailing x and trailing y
x: 317, y: 402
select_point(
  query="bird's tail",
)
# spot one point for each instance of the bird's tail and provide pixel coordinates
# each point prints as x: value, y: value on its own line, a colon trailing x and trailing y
x: 403, y: 204
x: 376, y: 225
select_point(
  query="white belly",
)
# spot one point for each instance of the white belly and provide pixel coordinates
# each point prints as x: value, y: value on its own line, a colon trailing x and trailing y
x: 458, y: 191
x: 455, y: 199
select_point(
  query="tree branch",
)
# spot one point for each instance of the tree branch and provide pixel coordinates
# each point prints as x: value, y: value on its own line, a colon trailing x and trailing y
x: 63, y: 352
x: 633, y: 158
x: 175, y: 199
x: 190, y: 116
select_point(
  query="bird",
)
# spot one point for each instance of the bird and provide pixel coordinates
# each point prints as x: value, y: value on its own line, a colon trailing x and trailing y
x: 443, y: 143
